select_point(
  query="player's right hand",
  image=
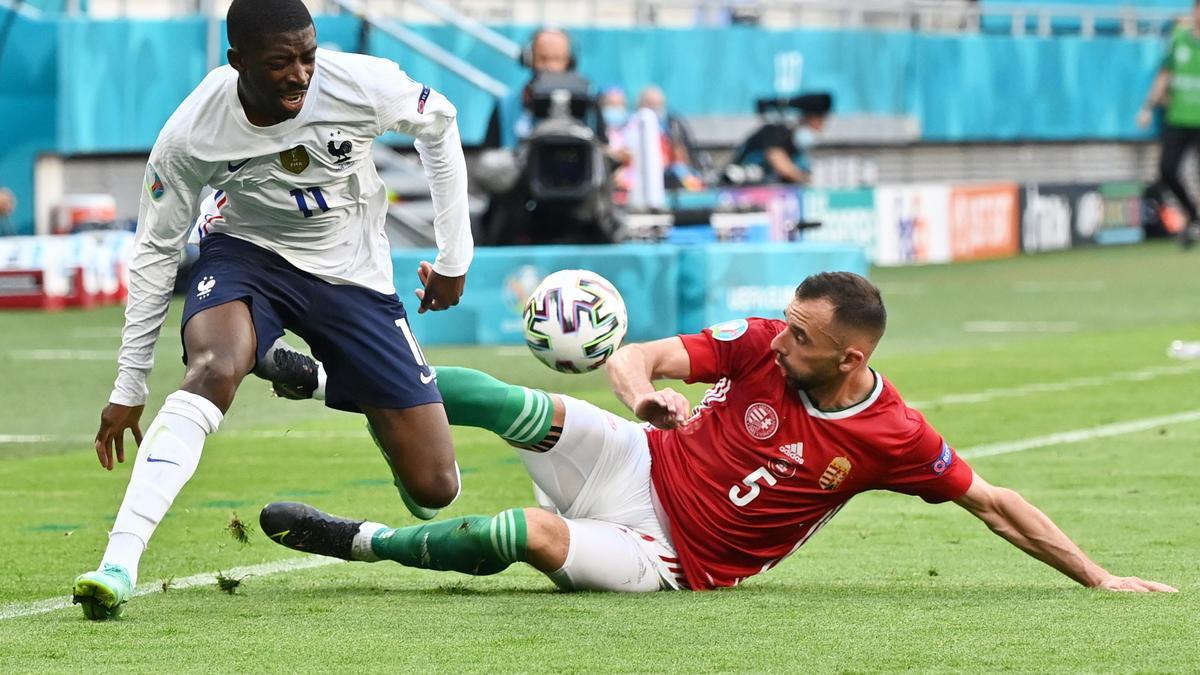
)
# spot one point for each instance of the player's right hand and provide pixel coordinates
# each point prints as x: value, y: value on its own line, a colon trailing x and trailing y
x: 1144, y: 117
x: 114, y: 420
x: 665, y: 409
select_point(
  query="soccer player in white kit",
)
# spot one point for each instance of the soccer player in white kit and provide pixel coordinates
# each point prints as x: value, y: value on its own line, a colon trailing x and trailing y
x: 284, y: 132
x: 795, y: 425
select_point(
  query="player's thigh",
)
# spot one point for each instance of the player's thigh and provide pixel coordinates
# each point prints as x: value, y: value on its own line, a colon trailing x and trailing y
x: 237, y: 296
x: 605, y: 556
x: 371, y: 357
x: 599, y: 468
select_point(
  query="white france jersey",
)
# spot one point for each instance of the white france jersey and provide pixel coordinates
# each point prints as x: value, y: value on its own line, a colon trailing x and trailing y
x: 305, y: 188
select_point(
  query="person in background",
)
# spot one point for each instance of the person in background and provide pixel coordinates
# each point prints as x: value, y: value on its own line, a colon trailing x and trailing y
x: 614, y: 109
x: 549, y: 51
x: 679, y: 151
x: 1176, y: 88
x: 8, y: 204
x: 778, y: 152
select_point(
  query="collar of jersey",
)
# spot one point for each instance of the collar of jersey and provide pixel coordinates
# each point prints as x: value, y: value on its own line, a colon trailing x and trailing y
x: 284, y: 127
x: 844, y: 412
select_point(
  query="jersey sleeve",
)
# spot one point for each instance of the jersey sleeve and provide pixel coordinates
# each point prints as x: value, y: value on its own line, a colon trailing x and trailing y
x: 172, y: 184
x: 408, y: 107
x: 728, y: 348
x: 928, y: 467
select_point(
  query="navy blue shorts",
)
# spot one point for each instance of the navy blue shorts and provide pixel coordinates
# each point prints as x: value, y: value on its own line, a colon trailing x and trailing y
x: 362, y: 336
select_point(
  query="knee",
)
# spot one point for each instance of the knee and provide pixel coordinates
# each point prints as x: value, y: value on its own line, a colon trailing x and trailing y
x: 434, y: 489
x: 214, y: 373
x: 548, y: 540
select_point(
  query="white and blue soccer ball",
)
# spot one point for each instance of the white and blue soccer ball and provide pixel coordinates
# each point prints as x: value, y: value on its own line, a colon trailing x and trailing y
x: 574, y: 321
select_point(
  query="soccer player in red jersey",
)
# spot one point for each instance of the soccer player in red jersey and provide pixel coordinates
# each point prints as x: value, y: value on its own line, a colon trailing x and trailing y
x: 795, y: 424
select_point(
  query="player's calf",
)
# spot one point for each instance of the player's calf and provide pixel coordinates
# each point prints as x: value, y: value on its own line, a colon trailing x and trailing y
x: 476, y: 545
x: 527, y: 418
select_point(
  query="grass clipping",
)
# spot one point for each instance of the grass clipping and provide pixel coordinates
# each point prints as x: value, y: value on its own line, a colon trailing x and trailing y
x: 239, y: 530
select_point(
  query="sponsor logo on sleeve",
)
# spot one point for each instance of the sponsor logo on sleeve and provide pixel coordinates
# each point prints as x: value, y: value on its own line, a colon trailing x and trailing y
x: 422, y: 99
x: 729, y: 331
x: 944, y: 460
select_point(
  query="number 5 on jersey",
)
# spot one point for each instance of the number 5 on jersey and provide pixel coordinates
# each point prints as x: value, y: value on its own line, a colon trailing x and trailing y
x: 753, y: 488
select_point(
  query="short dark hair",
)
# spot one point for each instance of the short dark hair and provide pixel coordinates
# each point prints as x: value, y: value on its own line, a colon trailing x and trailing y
x: 249, y: 21
x: 856, y: 302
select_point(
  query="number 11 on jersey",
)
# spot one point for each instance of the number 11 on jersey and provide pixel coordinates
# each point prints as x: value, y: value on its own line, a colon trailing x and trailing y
x: 302, y: 203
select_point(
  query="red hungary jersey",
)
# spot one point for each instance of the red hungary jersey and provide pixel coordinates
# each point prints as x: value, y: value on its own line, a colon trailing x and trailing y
x: 757, y: 470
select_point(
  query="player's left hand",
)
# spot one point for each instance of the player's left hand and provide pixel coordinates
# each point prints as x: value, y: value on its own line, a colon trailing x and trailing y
x: 439, y: 292
x: 1134, y: 585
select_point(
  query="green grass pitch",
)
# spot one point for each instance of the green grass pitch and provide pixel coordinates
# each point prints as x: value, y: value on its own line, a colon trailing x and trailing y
x: 993, y: 352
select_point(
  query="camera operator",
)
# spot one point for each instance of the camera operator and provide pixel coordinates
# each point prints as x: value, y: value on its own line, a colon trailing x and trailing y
x: 778, y: 152
x: 554, y: 185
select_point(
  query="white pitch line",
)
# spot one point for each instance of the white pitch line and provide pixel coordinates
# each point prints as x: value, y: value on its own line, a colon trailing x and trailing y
x: 986, y: 395
x: 22, y: 609
x: 62, y: 355
x: 1020, y: 326
x: 1077, y: 435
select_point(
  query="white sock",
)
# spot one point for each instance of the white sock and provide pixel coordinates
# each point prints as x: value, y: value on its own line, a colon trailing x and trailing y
x: 165, y: 461
x: 360, y: 547
x: 319, y: 392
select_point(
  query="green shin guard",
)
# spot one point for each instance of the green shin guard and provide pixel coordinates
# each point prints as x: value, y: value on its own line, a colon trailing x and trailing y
x: 476, y: 545
x: 418, y: 511
x: 519, y: 415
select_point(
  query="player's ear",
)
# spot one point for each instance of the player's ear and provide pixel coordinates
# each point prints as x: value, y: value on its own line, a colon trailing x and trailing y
x: 852, y: 358
x: 235, y: 59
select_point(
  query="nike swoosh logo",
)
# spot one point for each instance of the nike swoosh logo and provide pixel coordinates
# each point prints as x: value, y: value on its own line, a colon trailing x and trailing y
x: 234, y: 167
x: 151, y: 459
x: 426, y: 379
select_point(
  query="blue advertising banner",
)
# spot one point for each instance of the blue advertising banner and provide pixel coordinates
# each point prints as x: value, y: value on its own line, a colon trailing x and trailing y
x: 729, y: 281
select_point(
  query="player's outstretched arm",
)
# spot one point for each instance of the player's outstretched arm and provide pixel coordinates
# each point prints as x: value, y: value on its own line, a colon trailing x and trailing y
x: 1008, y: 514
x: 633, y: 368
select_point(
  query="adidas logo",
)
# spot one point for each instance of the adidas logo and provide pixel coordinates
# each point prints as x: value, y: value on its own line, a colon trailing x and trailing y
x: 794, y: 451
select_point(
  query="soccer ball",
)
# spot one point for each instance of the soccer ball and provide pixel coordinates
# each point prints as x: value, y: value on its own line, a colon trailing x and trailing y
x: 574, y: 321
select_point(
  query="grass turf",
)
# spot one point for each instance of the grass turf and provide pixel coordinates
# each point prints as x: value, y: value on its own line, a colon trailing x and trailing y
x: 890, y: 584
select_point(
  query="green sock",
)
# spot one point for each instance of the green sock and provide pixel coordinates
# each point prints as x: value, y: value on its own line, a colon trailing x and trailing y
x: 517, y: 414
x: 478, y: 545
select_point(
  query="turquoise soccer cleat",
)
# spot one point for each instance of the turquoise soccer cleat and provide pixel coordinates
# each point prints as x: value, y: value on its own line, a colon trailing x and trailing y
x: 102, y: 593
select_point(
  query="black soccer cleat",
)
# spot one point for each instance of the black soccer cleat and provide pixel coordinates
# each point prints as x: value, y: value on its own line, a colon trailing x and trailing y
x: 304, y: 528
x: 292, y: 374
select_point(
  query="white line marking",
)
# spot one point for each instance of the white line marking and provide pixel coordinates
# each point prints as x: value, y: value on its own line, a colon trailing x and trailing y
x: 986, y: 395
x: 512, y: 351
x: 1094, y: 286
x: 97, y: 332
x: 1020, y: 326
x: 22, y: 609
x: 1077, y: 435
x: 63, y: 355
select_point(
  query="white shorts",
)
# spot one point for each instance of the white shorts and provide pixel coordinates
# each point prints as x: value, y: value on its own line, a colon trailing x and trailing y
x: 597, y: 478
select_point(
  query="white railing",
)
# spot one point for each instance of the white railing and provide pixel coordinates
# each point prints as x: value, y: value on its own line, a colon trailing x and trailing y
x: 956, y: 16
